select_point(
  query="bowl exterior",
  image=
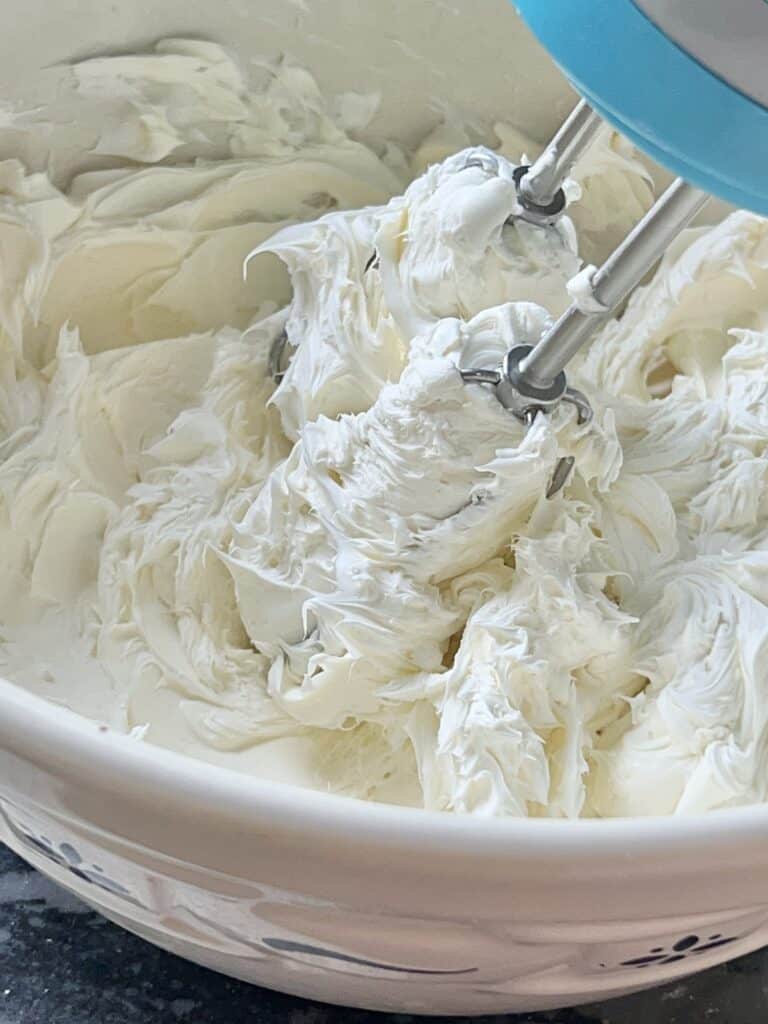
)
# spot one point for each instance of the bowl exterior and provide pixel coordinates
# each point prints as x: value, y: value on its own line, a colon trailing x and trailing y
x: 385, y: 932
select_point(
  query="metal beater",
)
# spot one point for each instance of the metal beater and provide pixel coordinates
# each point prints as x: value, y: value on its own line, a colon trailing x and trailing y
x: 530, y: 379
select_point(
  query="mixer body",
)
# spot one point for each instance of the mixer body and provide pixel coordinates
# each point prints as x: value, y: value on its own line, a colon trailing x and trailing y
x: 687, y: 82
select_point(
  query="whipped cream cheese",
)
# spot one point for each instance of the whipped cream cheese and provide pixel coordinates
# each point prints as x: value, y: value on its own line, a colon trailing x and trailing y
x: 352, y: 579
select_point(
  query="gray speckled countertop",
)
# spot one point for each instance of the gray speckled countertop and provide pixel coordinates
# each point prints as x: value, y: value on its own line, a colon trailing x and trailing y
x: 60, y: 963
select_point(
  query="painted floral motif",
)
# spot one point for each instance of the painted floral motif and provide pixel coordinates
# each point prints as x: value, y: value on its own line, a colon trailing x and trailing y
x: 689, y: 945
x: 271, y: 935
x: 66, y: 856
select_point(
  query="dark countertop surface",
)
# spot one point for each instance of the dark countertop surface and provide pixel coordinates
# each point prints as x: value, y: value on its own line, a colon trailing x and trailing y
x: 60, y: 963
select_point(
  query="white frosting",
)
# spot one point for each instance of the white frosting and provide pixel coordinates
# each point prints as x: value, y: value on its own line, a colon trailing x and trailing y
x: 353, y: 580
x: 581, y: 290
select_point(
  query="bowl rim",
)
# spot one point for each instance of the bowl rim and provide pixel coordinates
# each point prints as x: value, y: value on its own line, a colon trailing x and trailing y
x: 56, y: 738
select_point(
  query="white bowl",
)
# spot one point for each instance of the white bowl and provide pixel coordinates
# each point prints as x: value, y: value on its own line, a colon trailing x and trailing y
x: 313, y: 894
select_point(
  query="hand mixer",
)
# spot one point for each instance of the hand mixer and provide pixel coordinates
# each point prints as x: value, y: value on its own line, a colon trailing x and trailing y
x: 687, y: 81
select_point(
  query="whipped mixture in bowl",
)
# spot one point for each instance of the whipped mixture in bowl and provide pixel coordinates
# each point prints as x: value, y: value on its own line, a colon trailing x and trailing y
x: 259, y: 518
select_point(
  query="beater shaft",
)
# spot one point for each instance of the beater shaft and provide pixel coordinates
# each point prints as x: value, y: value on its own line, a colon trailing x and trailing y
x: 621, y: 272
x: 540, y: 184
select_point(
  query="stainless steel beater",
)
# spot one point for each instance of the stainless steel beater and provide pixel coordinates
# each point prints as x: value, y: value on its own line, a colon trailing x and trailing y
x: 532, y: 379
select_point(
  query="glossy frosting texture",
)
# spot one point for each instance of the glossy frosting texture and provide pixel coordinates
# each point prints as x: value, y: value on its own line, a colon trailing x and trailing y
x: 352, y: 579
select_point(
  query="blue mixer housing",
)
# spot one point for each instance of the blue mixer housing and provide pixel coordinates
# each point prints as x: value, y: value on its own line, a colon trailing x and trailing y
x: 663, y: 90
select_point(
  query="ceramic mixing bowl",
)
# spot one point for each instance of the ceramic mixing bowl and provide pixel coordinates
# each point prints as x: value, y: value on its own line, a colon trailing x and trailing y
x: 317, y: 895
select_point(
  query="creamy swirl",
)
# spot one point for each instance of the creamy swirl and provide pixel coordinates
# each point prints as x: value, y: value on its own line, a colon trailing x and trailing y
x: 353, y: 579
